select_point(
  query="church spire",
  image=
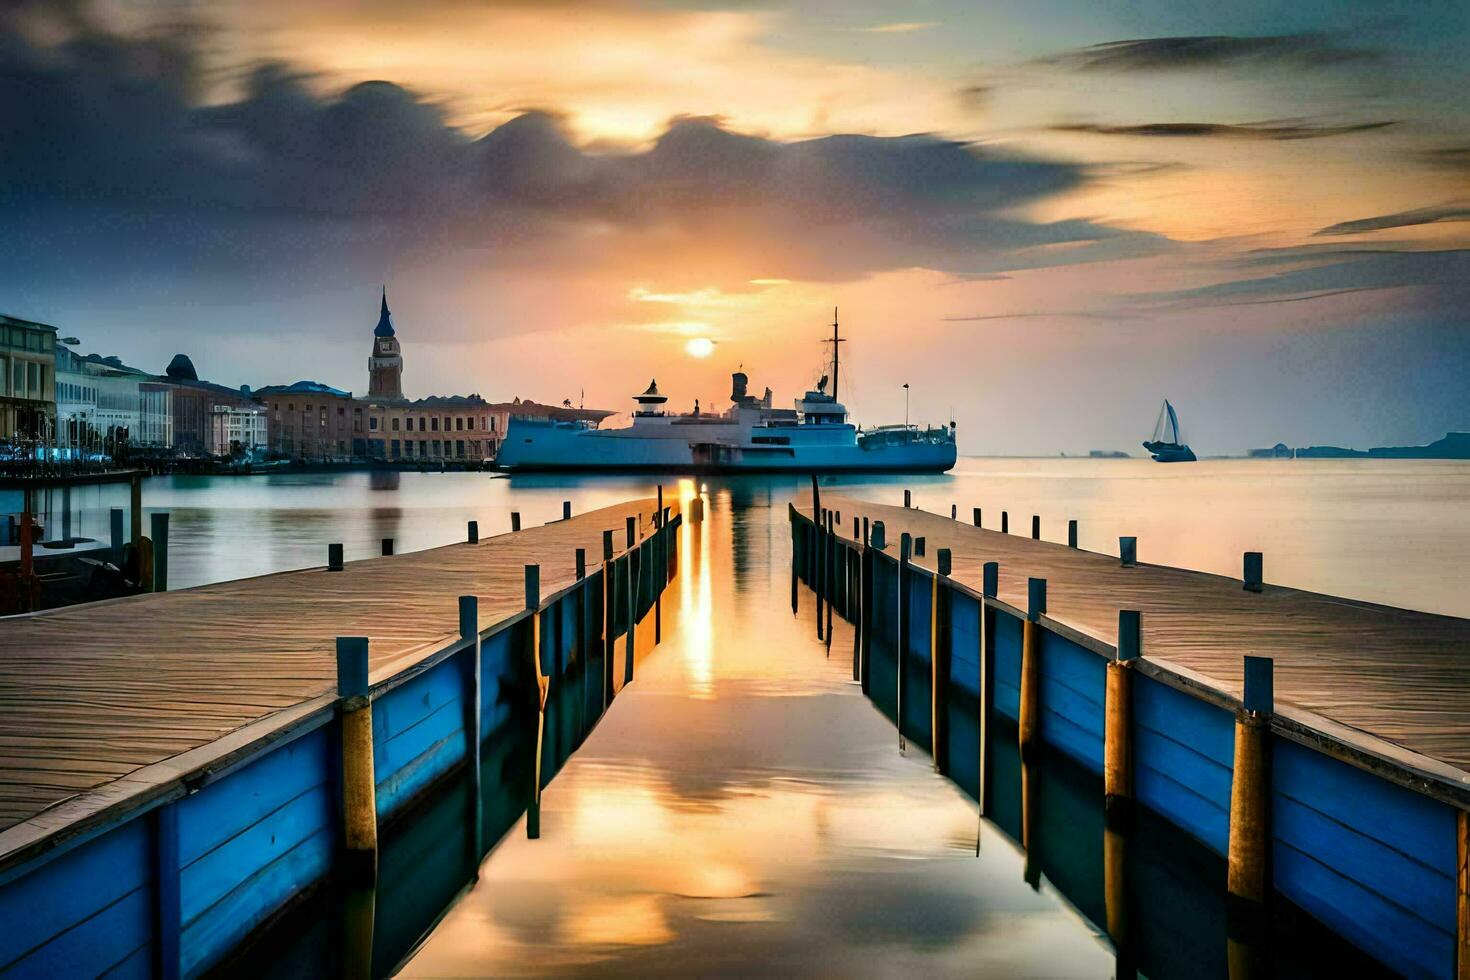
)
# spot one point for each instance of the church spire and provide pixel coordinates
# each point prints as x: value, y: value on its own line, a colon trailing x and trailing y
x: 385, y: 319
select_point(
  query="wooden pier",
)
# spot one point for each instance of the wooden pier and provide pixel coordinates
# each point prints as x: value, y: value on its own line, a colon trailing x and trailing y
x: 217, y: 713
x: 1321, y: 744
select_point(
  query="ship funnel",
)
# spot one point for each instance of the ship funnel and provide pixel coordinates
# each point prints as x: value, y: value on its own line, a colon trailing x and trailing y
x: 738, y: 384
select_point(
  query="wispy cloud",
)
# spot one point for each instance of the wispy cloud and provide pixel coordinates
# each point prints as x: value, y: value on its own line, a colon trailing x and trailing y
x: 1212, y: 51
x: 1260, y: 131
x: 903, y: 27
x: 1457, y: 211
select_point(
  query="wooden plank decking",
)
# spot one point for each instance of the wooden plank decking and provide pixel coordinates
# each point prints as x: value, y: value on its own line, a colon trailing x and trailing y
x: 89, y: 694
x: 1393, y: 674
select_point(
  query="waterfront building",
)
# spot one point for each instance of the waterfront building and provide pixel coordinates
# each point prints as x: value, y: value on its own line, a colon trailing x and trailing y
x: 312, y: 421
x: 155, y: 415
x: 237, y: 430
x: 99, y: 408
x: 193, y: 404
x: 27, y: 385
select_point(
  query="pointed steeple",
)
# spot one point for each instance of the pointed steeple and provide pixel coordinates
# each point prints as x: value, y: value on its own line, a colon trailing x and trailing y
x: 385, y: 319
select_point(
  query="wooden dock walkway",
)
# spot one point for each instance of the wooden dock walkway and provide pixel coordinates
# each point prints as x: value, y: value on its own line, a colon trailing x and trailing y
x: 92, y: 694
x: 1392, y: 682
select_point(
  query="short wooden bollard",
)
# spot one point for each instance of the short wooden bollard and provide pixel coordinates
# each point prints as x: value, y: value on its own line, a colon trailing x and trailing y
x: 135, y: 511
x: 819, y: 565
x: 662, y: 567
x: 387, y: 547
x: 1005, y: 522
x: 1128, y: 552
x: 876, y: 542
x: 515, y: 520
x: 469, y: 631
x: 1118, y: 774
x: 860, y: 598
x: 919, y: 548
x: 566, y: 508
x: 1072, y: 533
x: 160, y: 551
x: 908, y: 498
x: 1036, y: 527
x: 472, y: 532
x: 975, y: 516
x: 1248, y: 880
x: 989, y: 587
x: 542, y: 687
x: 1252, y: 573
x: 905, y: 550
x: 939, y: 661
x: 359, y: 785
x: 334, y: 558
x: 579, y: 628
x: 831, y: 539
x: 954, y: 512
x: 1029, y: 724
x: 630, y: 566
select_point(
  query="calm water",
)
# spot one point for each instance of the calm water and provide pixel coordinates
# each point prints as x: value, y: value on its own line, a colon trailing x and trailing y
x: 744, y: 808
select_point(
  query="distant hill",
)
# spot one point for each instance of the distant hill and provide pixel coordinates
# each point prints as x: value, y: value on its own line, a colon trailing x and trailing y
x: 1455, y: 445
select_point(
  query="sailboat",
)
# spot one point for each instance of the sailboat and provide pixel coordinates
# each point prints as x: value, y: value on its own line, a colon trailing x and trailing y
x: 1166, y: 445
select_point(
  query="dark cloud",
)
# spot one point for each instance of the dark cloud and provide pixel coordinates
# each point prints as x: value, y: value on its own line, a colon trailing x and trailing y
x: 102, y: 121
x: 1261, y: 131
x: 1213, y: 51
x: 1403, y: 219
x: 1455, y: 158
x: 1312, y: 273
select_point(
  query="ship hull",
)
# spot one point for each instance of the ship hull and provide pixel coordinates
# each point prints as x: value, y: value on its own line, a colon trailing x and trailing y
x: 549, y: 448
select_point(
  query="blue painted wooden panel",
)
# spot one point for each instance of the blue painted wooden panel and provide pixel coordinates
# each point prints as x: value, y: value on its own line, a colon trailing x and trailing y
x: 1072, y: 699
x: 103, y: 940
x: 1183, y: 756
x: 964, y: 647
x: 1007, y: 665
x: 921, y: 587
x: 216, y: 931
x: 137, y: 966
x: 1373, y: 860
x: 496, y: 673
x: 250, y: 794
x: 413, y: 759
x: 77, y: 908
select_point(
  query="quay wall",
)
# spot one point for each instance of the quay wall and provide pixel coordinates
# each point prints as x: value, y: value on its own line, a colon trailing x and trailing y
x: 1372, y: 859
x: 178, y: 884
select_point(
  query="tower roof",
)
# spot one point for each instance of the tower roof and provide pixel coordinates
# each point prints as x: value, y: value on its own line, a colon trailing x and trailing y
x: 385, y: 319
x: 651, y: 396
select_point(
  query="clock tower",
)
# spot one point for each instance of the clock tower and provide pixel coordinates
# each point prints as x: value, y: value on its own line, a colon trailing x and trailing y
x: 385, y: 365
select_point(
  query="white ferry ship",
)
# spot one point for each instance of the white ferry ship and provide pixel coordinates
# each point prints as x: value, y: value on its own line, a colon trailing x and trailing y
x: 750, y: 437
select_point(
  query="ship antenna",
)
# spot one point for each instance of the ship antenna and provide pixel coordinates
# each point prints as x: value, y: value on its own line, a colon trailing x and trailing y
x: 836, y: 340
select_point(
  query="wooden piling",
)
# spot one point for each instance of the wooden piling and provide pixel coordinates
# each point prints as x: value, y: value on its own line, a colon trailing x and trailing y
x: 472, y: 532
x: 819, y: 566
x: 160, y: 551
x: 954, y: 512
x: 1029, y: 724
x: 661, y: 566
x: 919, y: 549
x: 908, y: 498
x: 860, y: 598
x: 1072, y: 533
x: 1005, y: 522
x: 608, y: 620
x: 543, y: 685
x: 900, y: 647
x: 515, y: 520
x: 469, y: 631
x: 831, y: 575
x: 1252, y: 573
x: 566, y: 505
x: 1128, y: 552
x: 1036, y: 527
x: 1118, y: 776
x: 334, y: 557
x: 167, y: 893
x: 989, y: 587
x: 630, y: 567
x: 359, y: 787
x: 135, y: 493
x: 939, y: 661
x: 579, y: 637
x: 1248, y: 855
x: 387, y: 547
x: 975, y: 516
x: 874, y: 542
x: 116, y: 528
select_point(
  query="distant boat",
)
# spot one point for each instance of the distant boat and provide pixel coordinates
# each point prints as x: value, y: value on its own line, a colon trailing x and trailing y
x: 1166, y: 445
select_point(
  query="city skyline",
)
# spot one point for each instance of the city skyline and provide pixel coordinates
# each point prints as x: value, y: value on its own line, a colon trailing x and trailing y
x: 1261, y: 216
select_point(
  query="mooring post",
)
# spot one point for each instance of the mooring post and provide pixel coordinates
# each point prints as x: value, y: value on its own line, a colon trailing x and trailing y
x: 1118, y: 775
x: 566, y: 508
x: 797, y: 539
x: 905, y: 551
x: 387, y: 547
x: 135, y: 492
x: 1036, y: 527
x: 542, y: 686
x: 860, y: 598
x: 990, y: 585
x: 954, y: 512
x: 609, y: 622
x: 1248, y: 855
x: 472, y: 532
x: 662, y: 565
x: 515, y: 520
x: 359, y: 786
x: 816, y: 518
x: 629, y: 562
x: 117, y: 536
x: 167, y: 893
x: 975, y: 516
x: 876, y: 543
x: 819, y: 519
x: 1072, y: 533
x: 1253, y: 575
x: 469, y: 631
x: 939, y: 661
x: 160, y: 551
x: 580, y: 638
x: 831, y: 575
x: 919, y: 547
x: 66, y: 512
x: 334, y: 557
x: 1029, y: 724
x: 1128, y: 552
x: 908, y: 498
x: 1005, y: 522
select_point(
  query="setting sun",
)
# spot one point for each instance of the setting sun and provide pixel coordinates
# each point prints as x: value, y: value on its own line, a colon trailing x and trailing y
x: 700, y: 347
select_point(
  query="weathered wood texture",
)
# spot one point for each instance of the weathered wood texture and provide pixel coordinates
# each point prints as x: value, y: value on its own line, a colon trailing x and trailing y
x: 91, y: 693
x: 1399, y: 675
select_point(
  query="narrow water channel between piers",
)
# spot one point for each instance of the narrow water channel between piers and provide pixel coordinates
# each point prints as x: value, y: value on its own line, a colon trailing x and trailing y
x: 743, y: 808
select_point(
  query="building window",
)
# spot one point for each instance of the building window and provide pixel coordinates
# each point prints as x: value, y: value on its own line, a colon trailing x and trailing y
x: 470, y: 422
x: 436, y: 447
x: 435, y: 424
x: 395, y: 423
x: 395, y: 449
x: 446, y: 423
x: 421, y: 423
x: 459, y: 423
x: 373, y: 423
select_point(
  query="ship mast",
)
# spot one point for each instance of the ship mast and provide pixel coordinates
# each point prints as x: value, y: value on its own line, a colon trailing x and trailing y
x: 835, y: 341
